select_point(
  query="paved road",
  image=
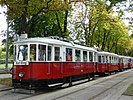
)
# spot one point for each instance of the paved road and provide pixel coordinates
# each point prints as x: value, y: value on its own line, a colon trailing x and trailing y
x: 107, y: 88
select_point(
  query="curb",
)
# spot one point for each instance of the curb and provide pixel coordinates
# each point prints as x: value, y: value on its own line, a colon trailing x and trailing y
x: 5, y: 89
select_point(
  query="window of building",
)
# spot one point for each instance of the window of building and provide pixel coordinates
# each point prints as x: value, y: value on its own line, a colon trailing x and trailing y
x: 77, y: 55
x: 68, y: 54
x: 57, y: 54
x: 42, y: 52
x: 49, y: 53
x: 85, y: 56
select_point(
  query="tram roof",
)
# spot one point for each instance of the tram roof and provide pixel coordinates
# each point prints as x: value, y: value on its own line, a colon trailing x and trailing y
x: 53, y: 42
x: 107, y: 53
x: 128, y: 57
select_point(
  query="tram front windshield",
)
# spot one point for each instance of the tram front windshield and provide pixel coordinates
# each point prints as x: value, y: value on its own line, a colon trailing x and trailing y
x: 22, y: 53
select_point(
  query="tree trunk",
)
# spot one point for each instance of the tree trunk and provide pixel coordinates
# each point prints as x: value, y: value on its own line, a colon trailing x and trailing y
x: 65, y: 24
x: 58, y: 22
x: 104, y: 40
x: 24, y: 21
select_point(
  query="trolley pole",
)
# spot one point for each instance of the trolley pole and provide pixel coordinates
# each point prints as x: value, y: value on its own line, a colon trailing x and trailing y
x: 7, y: 37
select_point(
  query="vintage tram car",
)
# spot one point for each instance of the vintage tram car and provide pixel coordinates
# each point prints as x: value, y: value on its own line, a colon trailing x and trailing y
x: 107, y: 63
x: 50, y: 62
x: 53, y: 61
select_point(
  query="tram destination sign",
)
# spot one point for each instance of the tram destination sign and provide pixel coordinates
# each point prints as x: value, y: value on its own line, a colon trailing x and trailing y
x: 21, y: 63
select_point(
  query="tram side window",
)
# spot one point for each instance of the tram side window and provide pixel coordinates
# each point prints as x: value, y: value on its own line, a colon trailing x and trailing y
x: 99, y: 59
x: 103, y: 59
x: 42, y: 52
x: 57, y: 54
x: 85, y: 56
x: 68, y: 54
x: 33, y: 52
x: 112, y: 59
x: 95, y: 55
x: 49, y: 53
x: 106, y: 59
x: 23, y: 52
x: 15, y: 52
x: 77, y: 55
x: 91, y: 56
x: 109, y: 59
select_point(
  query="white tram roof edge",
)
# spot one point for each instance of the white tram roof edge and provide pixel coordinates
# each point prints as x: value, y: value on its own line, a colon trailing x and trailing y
x: 107, y: 53
x: 46, y: 40
x: 128, y: 57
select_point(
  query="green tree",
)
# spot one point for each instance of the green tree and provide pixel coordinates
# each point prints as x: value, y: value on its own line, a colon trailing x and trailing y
x: 100, y: 26
x: 25, y: 12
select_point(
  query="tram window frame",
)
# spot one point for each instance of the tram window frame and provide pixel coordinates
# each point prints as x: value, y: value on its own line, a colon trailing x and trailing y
x: 99, y: 59
x: 49, y: 56
x: 33, y: 57
x: 69, y: 53
x: 41, y: 52
x: 57, y: 53
x: 23, y: 55
x: 77, y: 55
x: 102, y: 58
x: 84, y: 56
x: 90, y: 56
x: 15, y: 52
x: 95, y: 56
x: 106, y: 56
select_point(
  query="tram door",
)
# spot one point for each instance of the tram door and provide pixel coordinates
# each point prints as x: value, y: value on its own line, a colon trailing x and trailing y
x: 57, y: 64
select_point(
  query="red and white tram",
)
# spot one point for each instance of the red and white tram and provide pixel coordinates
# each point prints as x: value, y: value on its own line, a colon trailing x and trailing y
x: 130, y: 65
x: 50, y: 62
x: 107, y: 63
x: 126, y: 62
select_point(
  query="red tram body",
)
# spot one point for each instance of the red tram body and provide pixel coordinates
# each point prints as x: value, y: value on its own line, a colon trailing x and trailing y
x: 107, y: 62
x: 48, y: 62
x: 64, y: 62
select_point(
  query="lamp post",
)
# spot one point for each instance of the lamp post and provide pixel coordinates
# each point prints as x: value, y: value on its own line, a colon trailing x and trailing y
x: 7, y: 37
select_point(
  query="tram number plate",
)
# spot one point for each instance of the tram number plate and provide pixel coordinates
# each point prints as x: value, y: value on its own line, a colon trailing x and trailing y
x: 21, y: 63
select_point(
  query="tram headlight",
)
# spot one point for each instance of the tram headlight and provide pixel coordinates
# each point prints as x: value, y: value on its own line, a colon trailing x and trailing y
x: 21, y: 74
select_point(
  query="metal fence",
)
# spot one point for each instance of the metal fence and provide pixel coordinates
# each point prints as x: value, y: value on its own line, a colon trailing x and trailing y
x: 3, y: 61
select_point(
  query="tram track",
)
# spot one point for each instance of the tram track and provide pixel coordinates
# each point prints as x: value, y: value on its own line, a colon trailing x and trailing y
x: 116, y: 75
x: 101, y: 80
x: 81, y: 86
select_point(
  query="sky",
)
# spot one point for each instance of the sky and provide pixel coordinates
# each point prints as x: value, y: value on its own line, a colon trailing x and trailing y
x: 3, y: 24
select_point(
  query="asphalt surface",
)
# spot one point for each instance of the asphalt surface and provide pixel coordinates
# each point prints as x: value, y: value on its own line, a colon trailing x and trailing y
x: 105, y: 88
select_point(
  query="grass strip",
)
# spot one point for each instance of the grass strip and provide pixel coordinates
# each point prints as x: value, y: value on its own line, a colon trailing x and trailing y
x: 2, y: 66
x: 129, y: 91
x: 6, y: 81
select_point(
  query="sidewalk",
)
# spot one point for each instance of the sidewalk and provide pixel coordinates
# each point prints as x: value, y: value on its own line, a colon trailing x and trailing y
x: 118, y: 94
x: 107, y: 88
x: 3, y: 71
x: 3, y: 74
